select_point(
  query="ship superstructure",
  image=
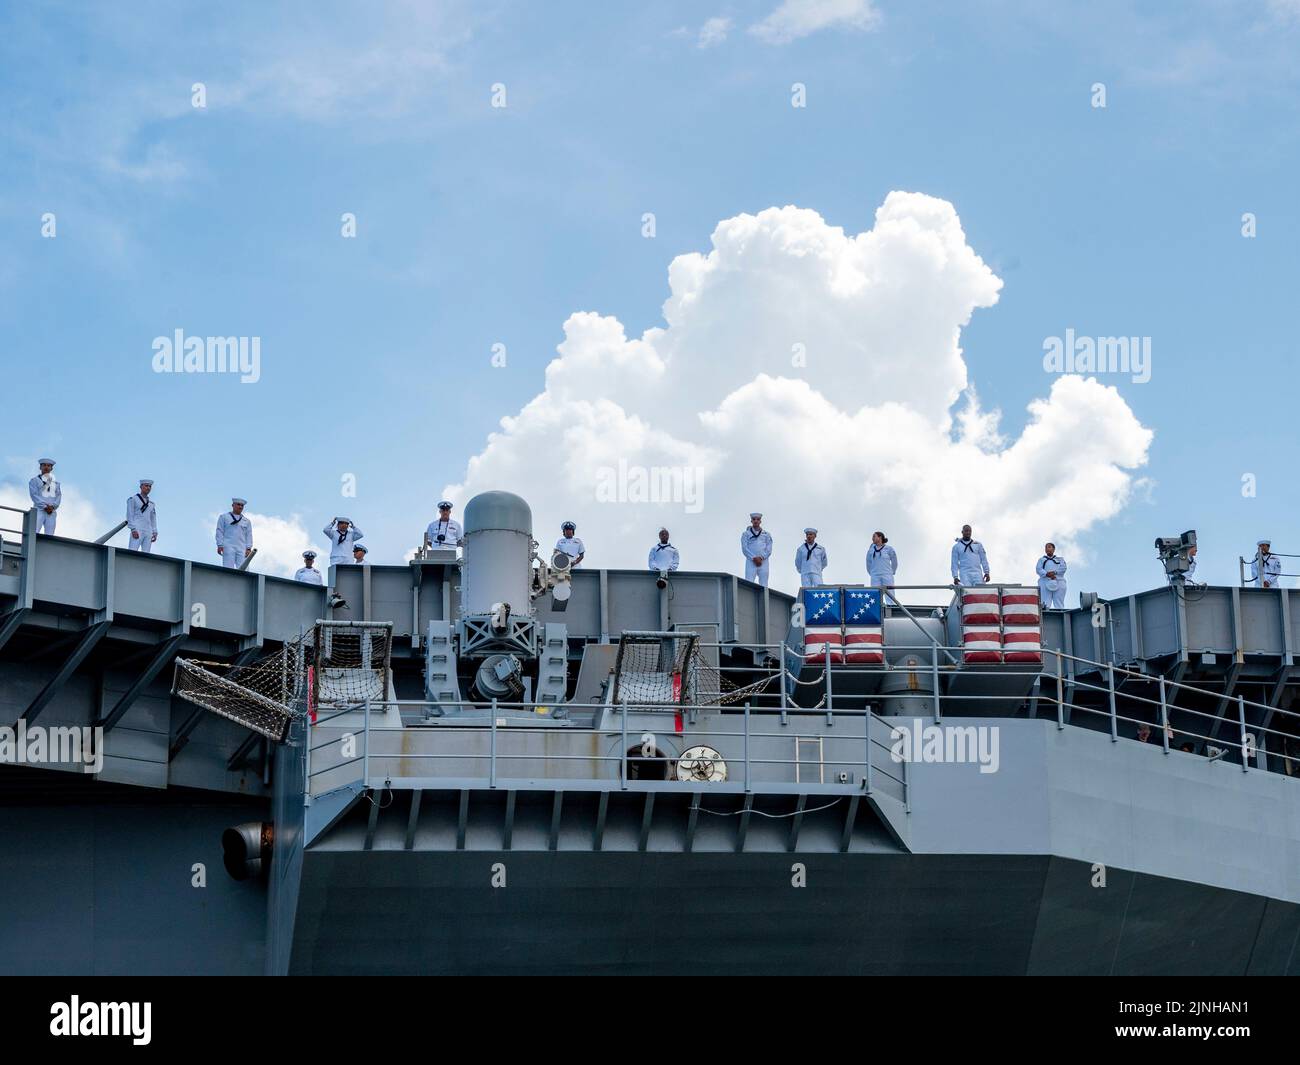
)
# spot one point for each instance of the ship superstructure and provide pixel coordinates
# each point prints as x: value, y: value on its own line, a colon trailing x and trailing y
x: 494, y: 763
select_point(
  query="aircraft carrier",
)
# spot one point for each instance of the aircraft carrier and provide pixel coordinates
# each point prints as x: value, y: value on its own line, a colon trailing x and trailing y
x: 490, y: 762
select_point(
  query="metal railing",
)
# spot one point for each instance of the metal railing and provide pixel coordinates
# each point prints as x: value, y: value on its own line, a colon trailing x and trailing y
x: 1247, y: 582
x: 11, y: 527
x: 616, y: 760
x: 1129, y: 703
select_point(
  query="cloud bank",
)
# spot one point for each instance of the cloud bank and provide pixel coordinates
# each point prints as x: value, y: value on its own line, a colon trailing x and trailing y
x: 818, y: 377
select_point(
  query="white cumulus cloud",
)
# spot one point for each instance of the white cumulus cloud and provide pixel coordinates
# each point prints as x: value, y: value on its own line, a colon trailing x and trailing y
x: 818, y: 377
x: 800, y: 18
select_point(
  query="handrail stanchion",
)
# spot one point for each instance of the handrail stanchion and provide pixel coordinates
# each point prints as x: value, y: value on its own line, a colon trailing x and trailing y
x: 934, y: 678
x: 1060, y: 692
x: 1164, y: 716
x: 828, y: 677
x: 748, y: 782
x: 785, y: 695
x: 492, y: 748
x: 1114, y: 719
x: 866, y: 717
x: 907, y: 788
x: 306, y: 759
x: 624, y: 748
x: 365, y: 763
x: 1241, y: 717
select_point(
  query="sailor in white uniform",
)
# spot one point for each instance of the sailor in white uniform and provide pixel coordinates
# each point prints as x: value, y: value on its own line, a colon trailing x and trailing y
x: 1266, y: 567
x: 882, y: 561
x: 1051, y: 578
x: 142, y: 519
x: 446, y: 531
x: 970, y: 565
x: 1190, y: 576
x: 663, y: 556
x: 810, y: 559
x: 309, y: 574
x: 359, y: 552
x: 756, y: 546
x: 46, y: 494
x: 342, y: 535
x: 571, y: 545
x: 234, y: 535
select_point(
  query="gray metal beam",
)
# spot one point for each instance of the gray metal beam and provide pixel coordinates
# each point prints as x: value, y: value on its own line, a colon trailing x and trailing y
x: 557, y: 806
x: 10, y: 623
x: 183, y: 733
x: 602, y: 810
x: 743, y: 828
x: 508, y: 830
x: 162, y: 656
x: 796, y: 823
x: 414, y: 818
x: 849, y: 819
x: 692, y: 821
x: 371, y: 822
x: 462, y: 820
x: 243, y: 750
x: 1226, y: 699
x: 646, y: 817
x: 89, y: 638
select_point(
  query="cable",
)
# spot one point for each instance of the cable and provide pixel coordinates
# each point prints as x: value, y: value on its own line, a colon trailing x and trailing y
x: 774, y: 817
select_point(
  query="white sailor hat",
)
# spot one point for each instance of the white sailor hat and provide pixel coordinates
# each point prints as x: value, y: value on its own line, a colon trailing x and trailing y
x: 346, y: 521
x: 810, y: 529
x: 444, y: 505
x: 146, y: 481
x: 360, y: 547
x: 755, y: 514
x: 45, y: 462
x: 241, y: 502
x: 309, y: 554
x: 1264, y: 540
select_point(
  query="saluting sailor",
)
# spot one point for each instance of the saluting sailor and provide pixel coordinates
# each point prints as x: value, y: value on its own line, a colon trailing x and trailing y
x: 309, y: 574
x: 142, y: 518
x: 359, y: 554
x: 446, y: 531
x: 46, y: 495
x: 342, y: 535
x: 810, y: 559
x: 663, y: 556
x: 571, y: 545
x: 234, y: 535
x: 756, y: 546
x: 882, y: 561
x: 1051, y: 578
x: 1266, y: 566
x: 970, y: 565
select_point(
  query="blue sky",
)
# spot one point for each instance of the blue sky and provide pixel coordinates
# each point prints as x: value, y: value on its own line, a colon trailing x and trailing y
x: 479, y: 225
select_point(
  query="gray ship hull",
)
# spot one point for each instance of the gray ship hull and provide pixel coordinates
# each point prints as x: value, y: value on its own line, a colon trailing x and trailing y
x: 861, y: 914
